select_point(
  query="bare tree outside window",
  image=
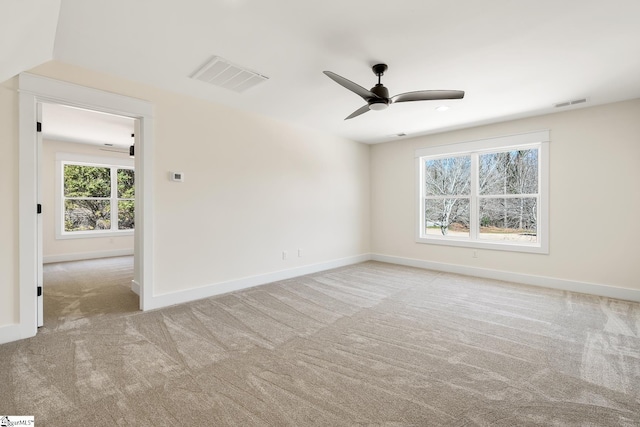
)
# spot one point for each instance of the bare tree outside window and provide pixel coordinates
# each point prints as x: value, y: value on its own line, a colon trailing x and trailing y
x: 508, y: 187
x: 447, y: 191
x: 506, y: 196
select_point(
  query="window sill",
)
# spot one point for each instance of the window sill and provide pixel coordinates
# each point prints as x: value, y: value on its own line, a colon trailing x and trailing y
x: 535, y: 248
x: 93, y: 234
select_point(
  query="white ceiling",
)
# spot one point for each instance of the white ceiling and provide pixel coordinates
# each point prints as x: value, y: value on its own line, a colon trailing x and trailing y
x: 513, y: 58
x: 27, y: 34
x: 62, y: 123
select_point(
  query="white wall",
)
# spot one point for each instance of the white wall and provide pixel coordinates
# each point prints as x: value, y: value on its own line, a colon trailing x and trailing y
x: 594, y: 198
x: 253, y: 188
x: 81, y: 248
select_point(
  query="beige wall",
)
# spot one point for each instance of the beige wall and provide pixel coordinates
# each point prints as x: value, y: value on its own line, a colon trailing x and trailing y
x: 53, y: 248
x: 253, y: 187
x: 594, y: 198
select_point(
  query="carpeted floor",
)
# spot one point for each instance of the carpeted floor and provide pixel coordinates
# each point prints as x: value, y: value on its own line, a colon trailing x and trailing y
x: 75, y: 292
x: 369, y: 344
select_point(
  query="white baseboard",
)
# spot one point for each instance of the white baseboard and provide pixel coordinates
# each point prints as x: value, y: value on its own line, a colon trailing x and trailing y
x: 86, y: 255
x: 180, y: 297
x: 527, y: 279
x: 135, y: 287
x: 11, y: 333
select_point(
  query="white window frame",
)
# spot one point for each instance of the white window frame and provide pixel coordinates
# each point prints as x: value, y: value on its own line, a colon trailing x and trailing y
x: 63, y: 159
x: 539, y: 139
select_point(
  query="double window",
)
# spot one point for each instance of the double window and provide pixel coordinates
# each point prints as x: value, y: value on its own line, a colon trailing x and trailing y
x: 96, y: 198
x: 489, y: 194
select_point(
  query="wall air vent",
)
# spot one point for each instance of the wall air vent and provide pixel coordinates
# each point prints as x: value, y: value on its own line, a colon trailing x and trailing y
x: 220, y: 72
x: 567, y: 103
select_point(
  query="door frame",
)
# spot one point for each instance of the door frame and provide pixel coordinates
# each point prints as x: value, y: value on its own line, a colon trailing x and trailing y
x: 39, y: 230
x: 34, y: 90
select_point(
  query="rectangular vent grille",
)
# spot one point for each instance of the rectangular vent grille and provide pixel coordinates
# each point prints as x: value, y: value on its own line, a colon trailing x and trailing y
x: 574, y: 102
x: 220, y: 72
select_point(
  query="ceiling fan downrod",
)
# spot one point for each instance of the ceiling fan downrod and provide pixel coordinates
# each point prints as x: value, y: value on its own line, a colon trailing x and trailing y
x: 379, y: 70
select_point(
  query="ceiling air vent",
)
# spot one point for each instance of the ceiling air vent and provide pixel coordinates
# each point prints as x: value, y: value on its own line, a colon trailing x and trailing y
x: 574, y: 102
x: 220, y: 72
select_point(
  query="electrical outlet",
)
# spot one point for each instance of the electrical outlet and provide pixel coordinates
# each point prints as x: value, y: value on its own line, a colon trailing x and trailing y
x: 284, y: 255
x: 299, y: 253
x: 475, y: 254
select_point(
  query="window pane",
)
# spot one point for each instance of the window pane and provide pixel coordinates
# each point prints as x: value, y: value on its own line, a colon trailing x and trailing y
x: 448, y: 177
x: 509, y: 172
x: 87, y: 181
x: 125, y: 215
x: 511, y: 219
x: 447, y: 217
x: 125, y: 184
x: 82, y: 215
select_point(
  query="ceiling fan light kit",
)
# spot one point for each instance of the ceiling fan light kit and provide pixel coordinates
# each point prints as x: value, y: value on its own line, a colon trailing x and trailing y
x: 377, y: 106
x: 378, y: 97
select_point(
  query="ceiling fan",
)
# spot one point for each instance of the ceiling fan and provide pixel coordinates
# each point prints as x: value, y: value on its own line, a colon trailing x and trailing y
x: 378, y: 97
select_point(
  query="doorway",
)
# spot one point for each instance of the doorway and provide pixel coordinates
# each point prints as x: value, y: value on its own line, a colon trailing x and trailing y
x: 87, y: 176
x: 33, y: 91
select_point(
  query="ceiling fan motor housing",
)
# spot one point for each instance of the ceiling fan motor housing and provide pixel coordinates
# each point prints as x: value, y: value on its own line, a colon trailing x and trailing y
x: 383, y: 101
x: 382, y: 92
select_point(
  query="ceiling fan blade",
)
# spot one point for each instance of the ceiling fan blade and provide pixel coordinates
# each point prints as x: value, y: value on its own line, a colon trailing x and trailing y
x: 428, y: 95
x: 353, y: 87
x: 359, y: 111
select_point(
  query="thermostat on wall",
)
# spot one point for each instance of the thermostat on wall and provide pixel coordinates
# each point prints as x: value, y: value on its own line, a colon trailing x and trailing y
x: 177, y: 176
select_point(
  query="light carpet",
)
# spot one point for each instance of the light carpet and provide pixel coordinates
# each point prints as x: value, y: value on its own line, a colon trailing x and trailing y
x: 369, y: 344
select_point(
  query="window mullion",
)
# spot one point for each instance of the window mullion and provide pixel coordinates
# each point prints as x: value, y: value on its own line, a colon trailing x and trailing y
x: 422, y: 220
x: 114, y: 199
x: 473, y: 202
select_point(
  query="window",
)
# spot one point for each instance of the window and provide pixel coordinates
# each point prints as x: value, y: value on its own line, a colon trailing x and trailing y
x: 490, y: 194
x: 95, y: 198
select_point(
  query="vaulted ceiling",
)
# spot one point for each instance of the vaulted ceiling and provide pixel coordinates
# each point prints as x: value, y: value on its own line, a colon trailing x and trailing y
x: 512, y: 58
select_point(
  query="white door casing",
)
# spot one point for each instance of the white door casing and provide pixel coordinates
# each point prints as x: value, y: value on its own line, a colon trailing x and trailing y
x: 40, y: 276
x: 34, y: 90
